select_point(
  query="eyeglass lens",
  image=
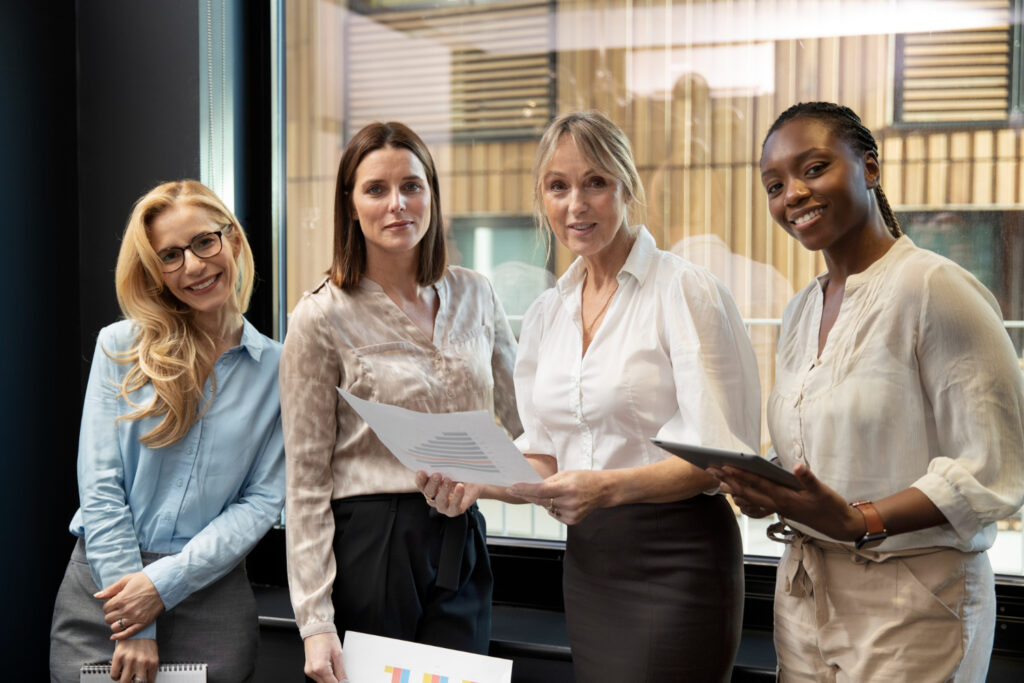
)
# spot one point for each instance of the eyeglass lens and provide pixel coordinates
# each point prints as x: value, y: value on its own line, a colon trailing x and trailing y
x: 203, y: 246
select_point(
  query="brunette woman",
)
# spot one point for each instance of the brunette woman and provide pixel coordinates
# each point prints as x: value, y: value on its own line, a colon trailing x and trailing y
x: 394, y: 324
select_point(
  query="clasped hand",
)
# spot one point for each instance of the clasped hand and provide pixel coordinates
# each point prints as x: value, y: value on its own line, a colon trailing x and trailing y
x: 132, y: 603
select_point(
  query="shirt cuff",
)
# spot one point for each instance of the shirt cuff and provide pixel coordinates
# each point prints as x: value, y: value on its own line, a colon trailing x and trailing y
x: 951, y: 504
x: 316, y: 627
x: 146, y: 632
x: 168, y: 579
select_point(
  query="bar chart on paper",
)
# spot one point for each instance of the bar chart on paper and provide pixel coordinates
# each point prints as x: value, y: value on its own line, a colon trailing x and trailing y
x: 466, y: 446
x: 453, y: 449
x: 375, y: 659
x: 400, y: 675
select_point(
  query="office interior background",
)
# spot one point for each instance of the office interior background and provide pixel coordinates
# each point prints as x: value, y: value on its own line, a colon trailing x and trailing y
x: 102, y: 99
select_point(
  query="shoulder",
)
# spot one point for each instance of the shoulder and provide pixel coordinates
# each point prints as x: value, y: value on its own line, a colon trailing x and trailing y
x: 462, y: 279
x: 118, y: 337
x: 673, y: 276
x: 315, y: 303
x: 926, y: 278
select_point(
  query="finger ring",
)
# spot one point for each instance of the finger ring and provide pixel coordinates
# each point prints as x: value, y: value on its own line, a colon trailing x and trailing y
x: 551, y: 506
x: 136, y: 679
x: 120, y: 623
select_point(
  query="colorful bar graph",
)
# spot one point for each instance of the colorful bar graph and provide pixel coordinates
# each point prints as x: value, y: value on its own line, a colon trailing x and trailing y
x: 398, y: 674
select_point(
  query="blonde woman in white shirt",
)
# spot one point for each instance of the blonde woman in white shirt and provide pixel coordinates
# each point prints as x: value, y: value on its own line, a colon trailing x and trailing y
x: 899, y: 404
x: 632, y: 343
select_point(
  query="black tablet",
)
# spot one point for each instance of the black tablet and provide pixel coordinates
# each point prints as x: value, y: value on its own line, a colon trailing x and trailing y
x: 704, y: 457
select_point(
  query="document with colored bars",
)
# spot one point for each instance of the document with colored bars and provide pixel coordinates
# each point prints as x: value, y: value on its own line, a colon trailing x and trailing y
x: 192, y: 672
x: 467, y: 446
x: 375, y: 659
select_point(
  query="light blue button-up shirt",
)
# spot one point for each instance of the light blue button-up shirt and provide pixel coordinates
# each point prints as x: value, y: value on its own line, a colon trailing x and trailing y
x: 207, y: 498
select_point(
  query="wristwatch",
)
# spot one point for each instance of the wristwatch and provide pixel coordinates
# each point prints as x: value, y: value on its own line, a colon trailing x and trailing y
x: 876, y: 532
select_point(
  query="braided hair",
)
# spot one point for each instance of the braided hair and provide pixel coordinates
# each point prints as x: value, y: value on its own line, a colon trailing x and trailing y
x: 847, y: 126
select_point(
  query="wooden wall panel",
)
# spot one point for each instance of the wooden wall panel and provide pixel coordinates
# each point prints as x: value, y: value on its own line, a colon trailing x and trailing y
x: 697, y: 143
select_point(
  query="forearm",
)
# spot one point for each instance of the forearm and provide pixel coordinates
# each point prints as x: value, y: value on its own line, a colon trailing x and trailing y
x: 902, y: 512
x: 661, y: 482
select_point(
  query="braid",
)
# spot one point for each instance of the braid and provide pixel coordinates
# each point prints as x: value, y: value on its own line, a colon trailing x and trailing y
x: 847, y: 126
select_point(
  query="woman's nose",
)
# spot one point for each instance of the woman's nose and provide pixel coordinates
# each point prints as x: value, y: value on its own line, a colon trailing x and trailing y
x: 796, y: 192
x: 397, y: 203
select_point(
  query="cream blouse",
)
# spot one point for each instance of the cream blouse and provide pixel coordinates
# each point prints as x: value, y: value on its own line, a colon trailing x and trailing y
x: 361, y: 341
x: 918, y: 385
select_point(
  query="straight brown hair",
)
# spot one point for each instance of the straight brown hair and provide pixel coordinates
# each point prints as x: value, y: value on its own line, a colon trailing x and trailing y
x: 349, y: 262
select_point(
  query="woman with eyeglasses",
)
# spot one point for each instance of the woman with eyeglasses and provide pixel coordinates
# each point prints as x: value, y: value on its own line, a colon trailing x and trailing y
x: 181, y: 455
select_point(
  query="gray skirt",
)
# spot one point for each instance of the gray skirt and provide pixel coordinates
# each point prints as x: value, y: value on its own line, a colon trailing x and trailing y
x: 217, y: 625
x: 654, y: 592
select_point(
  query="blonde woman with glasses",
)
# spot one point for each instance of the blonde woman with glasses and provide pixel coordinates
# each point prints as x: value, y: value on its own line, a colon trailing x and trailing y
x: 181, y: 455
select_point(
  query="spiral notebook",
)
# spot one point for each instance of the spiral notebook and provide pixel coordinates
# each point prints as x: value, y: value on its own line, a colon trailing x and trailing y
x: 166, y: 673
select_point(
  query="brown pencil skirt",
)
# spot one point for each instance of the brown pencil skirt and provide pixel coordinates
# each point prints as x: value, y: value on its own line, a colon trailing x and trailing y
x: 654, y: 592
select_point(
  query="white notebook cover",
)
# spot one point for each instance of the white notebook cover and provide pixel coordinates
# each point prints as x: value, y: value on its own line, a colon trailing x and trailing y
x: 167, y: 673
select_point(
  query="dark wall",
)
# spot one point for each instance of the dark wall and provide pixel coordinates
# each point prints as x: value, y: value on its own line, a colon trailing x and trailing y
x: 138, y: 113
x: 39, y: 349
x: 100, y: 102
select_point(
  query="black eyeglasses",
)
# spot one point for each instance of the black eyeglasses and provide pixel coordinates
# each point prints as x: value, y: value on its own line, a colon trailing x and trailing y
x: 206, y: 245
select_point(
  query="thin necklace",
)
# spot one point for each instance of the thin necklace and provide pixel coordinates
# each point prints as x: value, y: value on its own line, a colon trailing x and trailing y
x: 587, y: 329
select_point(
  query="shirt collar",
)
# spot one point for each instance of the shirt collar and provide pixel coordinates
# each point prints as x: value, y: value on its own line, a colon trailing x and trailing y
x: 902, y: 244
x: 252, y: 340
x: 638, y: 264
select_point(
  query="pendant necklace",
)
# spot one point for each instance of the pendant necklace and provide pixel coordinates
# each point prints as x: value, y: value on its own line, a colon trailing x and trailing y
x: 588, y: 329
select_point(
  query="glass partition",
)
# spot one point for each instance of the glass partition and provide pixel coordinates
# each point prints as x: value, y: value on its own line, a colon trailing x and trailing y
x: 695, y: 84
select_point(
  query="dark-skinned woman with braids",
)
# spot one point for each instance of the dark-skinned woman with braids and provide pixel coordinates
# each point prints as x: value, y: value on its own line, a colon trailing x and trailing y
x: 899, y: 406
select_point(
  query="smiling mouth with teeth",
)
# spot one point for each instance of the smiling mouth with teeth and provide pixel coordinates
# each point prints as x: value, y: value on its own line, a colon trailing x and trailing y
x: 202, y: 285
x: 807, y: 216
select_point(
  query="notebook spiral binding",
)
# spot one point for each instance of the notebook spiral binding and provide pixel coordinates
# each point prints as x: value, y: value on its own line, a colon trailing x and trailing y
x: 182, y: 666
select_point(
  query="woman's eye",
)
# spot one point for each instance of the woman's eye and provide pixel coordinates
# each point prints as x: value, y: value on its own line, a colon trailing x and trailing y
x: 556, y: 186
x: 773, y: 188
x: 816, y: 169
x: 597, y: 181
x: 374, y: 190
x: 204, y: 242
x: 168, y: 256
x: 412, y: 187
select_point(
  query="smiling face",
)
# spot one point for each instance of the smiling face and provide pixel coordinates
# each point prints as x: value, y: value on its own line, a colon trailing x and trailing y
x: 820, y: 190
x: 391, y: 201
x: 585, y: 207
x: 206, y: 285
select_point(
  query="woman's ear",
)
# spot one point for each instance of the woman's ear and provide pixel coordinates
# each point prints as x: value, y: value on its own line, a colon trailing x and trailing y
x: 872, y: 170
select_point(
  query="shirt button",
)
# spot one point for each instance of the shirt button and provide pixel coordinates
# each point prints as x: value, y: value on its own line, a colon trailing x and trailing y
x: 179, y: 483
x: 189, y: 450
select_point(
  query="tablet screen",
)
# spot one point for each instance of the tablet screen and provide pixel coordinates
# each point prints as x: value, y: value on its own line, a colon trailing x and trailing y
x: 704, y: 457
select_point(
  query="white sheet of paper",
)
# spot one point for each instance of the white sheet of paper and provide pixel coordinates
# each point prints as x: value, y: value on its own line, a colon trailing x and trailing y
x: 467, y: 446
x: 373, y: 659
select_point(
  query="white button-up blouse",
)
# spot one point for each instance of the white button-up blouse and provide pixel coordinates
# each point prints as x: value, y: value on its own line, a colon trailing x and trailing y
x: 918, y: 385
x: 671, y: 359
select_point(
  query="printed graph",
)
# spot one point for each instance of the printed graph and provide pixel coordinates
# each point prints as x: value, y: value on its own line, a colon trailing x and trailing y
x: 399, y: 675
x: 452, y: 450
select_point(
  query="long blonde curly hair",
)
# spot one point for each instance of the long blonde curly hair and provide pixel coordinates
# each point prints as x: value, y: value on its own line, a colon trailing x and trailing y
x: 170, y: 351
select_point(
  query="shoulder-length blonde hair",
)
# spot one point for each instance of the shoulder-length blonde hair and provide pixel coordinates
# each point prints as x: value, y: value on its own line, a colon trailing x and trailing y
x: 349, y: 262
x: 170, y: 351
x: 604, y: 145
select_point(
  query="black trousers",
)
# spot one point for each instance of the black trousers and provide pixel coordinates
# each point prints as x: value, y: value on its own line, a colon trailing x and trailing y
x: 405, y: 571
x: 654, y: 592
